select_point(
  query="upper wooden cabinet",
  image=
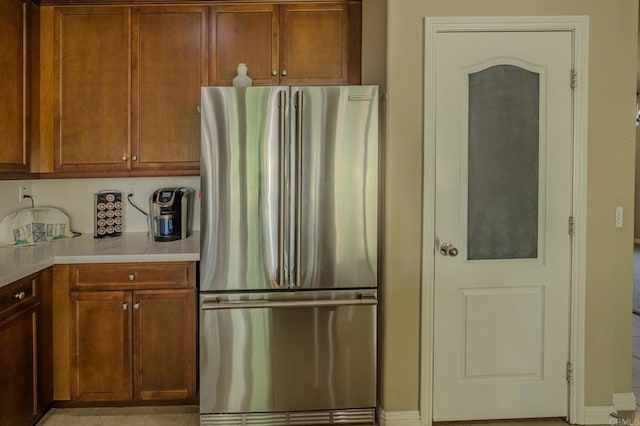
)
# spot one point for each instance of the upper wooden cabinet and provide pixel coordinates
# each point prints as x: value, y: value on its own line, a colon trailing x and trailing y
x: 320, y: 43
x: 92, y: 86
x: 14, y: 155
x: 170, y: 66
x: 288, y: 44
x: 244, y: 33
x: 127, y: 78
x: 127, y: 85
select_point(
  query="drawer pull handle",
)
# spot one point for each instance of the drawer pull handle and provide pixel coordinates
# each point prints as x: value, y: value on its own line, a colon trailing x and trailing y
x: 132, y: 277
x: 20, y: 295
x: 125, y: 305
x: 136, y: 306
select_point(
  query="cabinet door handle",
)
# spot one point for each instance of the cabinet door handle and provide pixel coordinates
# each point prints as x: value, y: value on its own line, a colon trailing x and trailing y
x: 124, y: 158
x: 125, y: 305
x: 198, y: 108
x: 132, y: 277
x: 284, y: 73
x: 136, y: 306
x: 274, y: 73
x: 20, y: 295
x: 134, y: 158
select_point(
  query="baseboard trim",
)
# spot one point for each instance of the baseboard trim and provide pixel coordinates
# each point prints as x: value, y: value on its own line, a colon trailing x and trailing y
x: 598, y: 415
x: 399, y: 418
x: 636, y: 241
x: 624, y: 401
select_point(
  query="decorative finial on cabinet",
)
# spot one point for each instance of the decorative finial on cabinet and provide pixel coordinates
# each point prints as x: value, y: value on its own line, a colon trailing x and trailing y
x: 242, y: 79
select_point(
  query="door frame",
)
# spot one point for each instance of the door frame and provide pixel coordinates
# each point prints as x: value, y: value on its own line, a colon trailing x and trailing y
x: 579, y: 27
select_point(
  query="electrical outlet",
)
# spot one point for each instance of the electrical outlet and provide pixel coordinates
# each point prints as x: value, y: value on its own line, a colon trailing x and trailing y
x: 131, y: 189
x: 24, y: 190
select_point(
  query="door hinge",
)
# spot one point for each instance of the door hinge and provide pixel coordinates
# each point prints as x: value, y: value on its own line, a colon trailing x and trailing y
x: 574, y: 78
x: 569, y: 372
x: 572, y: 225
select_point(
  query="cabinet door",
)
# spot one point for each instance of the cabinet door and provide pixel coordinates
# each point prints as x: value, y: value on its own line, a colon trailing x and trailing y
x: 247, y: 34
x: 92, y: 69
x: 169, y: 62
x: 320, y: 43
x: 165, y: 344
x: 101, y: 346
x: 14, y: 152
x: 18, y: 364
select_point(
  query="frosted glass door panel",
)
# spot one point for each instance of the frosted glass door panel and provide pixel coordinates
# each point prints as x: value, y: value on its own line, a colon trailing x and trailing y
x: 503, y: 163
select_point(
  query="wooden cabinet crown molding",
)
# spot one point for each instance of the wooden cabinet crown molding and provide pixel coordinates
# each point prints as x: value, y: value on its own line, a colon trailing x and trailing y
x: 174, y: 2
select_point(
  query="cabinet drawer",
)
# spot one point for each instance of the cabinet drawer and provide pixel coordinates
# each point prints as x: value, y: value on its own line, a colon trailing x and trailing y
x: 110, y: 276
x: 18, y: 295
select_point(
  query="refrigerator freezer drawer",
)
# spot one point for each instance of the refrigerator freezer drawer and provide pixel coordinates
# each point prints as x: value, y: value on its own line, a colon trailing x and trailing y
x: 285, y: 359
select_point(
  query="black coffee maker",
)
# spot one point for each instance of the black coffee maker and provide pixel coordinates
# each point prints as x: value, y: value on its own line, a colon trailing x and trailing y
x: 171, y: 213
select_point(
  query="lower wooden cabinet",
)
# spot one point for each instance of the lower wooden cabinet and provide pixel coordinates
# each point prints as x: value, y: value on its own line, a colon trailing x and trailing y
x: 25, y: 350
x: 101, y: 352
x: 133, y: 344
x: 18, y: 364
x: 164, y: 344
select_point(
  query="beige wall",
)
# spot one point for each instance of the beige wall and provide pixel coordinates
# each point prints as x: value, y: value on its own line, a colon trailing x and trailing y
x: 611, y: 150
x: 637, y: 200
x: 637, y: 192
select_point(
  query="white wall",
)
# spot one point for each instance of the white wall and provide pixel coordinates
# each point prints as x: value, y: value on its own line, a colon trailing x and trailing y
x: 9, y: 196
x: 75, y: 198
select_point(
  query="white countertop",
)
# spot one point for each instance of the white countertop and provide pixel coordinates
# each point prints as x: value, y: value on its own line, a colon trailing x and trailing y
x: 18, y: 262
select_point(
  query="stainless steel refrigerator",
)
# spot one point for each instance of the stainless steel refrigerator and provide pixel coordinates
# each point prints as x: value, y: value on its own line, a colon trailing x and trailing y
x: 289, y: 255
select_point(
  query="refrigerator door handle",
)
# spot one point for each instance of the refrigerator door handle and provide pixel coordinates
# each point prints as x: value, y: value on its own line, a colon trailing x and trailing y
x: 214, y: 303
x: 282, y: 122
x: 297, y: 272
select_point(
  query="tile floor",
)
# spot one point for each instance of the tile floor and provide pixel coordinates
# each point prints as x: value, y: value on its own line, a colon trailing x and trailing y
x: 134, y: 416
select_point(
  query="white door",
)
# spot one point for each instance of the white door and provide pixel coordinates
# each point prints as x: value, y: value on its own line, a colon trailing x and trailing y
x: 503, y: 202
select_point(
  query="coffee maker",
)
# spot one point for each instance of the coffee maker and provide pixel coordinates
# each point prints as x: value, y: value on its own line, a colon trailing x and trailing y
x: 171, y: 213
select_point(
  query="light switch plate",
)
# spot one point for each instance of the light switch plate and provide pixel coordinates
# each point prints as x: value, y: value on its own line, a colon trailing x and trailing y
x: 619, y: 217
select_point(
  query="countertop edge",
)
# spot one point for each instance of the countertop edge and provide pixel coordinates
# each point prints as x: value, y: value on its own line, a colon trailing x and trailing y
x: 19, y: 262
x: 17, y: 275
x: 126, y: 258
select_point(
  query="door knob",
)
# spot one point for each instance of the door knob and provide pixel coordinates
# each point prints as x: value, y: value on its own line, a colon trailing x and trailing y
x: 447, y: 249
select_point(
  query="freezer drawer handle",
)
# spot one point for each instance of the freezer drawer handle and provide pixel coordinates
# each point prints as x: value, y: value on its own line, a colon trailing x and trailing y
x: 214, y: 303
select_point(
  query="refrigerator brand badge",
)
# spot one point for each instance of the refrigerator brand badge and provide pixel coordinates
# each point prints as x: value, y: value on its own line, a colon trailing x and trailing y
x: 360, y: 97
